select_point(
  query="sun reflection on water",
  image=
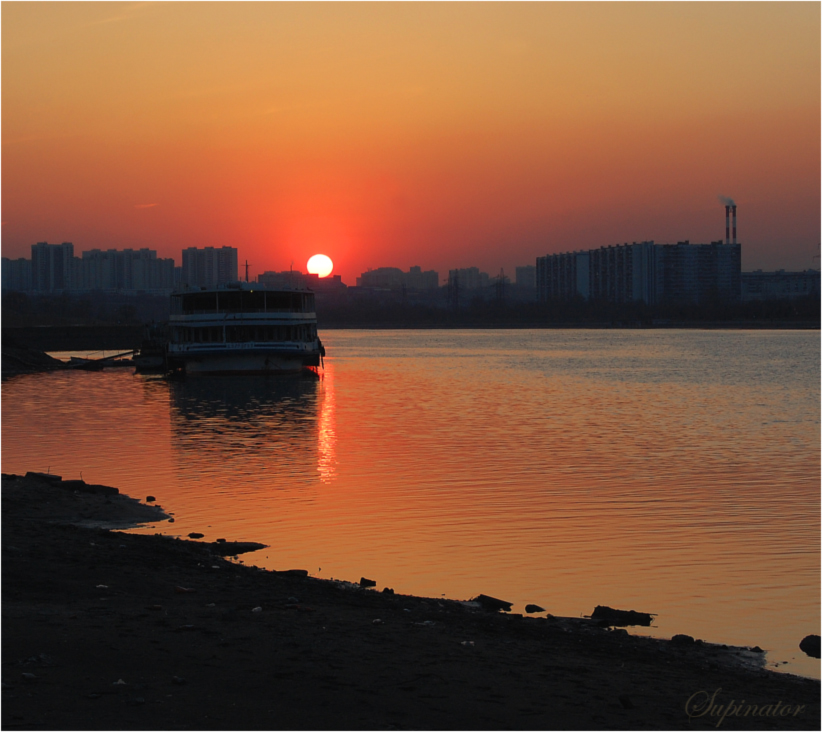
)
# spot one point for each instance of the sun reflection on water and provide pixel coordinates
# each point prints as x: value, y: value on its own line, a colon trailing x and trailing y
x: 327, y: 434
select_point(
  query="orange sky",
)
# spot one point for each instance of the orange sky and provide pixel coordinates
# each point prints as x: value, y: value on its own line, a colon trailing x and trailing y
x: 437, y: 134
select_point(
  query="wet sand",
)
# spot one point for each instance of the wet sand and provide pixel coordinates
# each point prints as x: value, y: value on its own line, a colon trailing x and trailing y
x: 105, y: 630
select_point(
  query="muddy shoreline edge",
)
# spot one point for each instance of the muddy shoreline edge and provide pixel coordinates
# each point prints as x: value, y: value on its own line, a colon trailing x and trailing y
x: 199, y: 642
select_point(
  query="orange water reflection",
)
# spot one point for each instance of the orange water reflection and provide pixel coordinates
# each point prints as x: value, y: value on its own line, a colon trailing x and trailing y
x: 327, y: 439
x: 674, y: 473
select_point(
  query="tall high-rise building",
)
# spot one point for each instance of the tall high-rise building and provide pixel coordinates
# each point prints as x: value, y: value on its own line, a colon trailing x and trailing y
x: 52, y: 266
x: 17, y: 274
x: 527, y: 276
x: 126, y: 269
x: 644, y: 272
x: 209, y: 267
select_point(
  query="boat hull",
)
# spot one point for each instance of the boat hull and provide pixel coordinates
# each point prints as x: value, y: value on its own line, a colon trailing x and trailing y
x: 245, y: 363
x: 148, y: 364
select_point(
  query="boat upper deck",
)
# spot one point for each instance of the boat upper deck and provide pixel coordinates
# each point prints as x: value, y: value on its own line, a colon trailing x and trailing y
x: 241, y: 301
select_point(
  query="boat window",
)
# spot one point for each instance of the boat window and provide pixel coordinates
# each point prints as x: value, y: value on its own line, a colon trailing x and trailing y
x: 200, y: 302
x: 242, y: 301
x: 254, y: 302
x: 231, y: 301
x: 239, y: 333
x: 278, y: 301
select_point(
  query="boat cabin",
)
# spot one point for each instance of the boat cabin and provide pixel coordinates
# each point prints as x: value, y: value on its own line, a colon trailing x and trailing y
x: 241, y: 301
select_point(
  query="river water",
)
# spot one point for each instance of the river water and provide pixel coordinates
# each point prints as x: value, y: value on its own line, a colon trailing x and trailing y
x: 672, y: 472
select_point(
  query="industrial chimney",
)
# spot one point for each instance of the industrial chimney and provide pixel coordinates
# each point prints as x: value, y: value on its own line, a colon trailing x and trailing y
x: 727, y: 224
x: 734, y: 214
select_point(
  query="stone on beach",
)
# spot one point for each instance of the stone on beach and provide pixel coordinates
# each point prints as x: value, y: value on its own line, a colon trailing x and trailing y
x: 364, y: 582
x: 683, y: 640
x: 48, y: 477
x: 534, y: 609
x: 810, y: 645
x: 625, y: 701
x: 230, y: 548
x: 492, y: 603
x: 609, y: 616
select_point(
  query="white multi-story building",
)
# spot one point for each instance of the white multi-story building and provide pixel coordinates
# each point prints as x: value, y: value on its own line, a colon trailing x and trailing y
x: 52, y: 266
x: 643, y: 272
x: 780, y: 285
x: 527, y: 276
x: 392, y: 278
x: 209, y: 267
x: 17, y: 274
x: 126, y: 269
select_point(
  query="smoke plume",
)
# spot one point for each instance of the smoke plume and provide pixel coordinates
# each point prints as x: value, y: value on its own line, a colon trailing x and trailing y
x: 725, y: 201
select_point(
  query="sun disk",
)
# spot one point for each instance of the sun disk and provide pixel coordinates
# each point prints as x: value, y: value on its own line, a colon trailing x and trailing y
x: 320, y: 265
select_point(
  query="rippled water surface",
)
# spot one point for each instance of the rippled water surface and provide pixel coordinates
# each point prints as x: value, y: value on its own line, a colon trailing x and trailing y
x: 674, y: 472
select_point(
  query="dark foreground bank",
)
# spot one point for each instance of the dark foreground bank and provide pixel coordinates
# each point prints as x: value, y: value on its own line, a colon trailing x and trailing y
x: 105, y: 630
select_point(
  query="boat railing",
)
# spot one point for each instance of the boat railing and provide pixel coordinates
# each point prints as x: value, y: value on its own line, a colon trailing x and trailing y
x: 240, y: 312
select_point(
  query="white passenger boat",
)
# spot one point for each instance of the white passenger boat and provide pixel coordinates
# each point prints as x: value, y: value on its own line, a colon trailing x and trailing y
x: 243, y: 328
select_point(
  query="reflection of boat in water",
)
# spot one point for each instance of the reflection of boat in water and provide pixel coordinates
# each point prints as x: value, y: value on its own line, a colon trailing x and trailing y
x: 233, y: 427
x: 281, y: 430
x: 244, y: 400
x: 238, y: 329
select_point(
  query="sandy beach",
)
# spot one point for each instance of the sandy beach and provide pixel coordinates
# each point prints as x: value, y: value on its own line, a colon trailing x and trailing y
x: 107, y: 630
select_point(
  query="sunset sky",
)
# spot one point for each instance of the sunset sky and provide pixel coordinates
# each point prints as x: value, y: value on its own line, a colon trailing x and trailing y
x: 392, y: 134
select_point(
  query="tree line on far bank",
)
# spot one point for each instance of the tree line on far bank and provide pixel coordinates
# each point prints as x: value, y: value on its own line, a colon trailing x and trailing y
x: 21, y: 310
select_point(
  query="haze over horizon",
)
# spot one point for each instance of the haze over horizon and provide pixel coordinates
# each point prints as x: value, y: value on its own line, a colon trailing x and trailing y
x: 440, y: 135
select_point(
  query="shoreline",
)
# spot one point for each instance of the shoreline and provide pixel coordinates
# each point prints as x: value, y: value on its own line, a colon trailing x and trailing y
x: 90, y: 337
x: 205, y: 643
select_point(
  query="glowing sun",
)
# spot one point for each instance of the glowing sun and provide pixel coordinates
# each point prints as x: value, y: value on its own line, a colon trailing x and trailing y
x: 320, y: 265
